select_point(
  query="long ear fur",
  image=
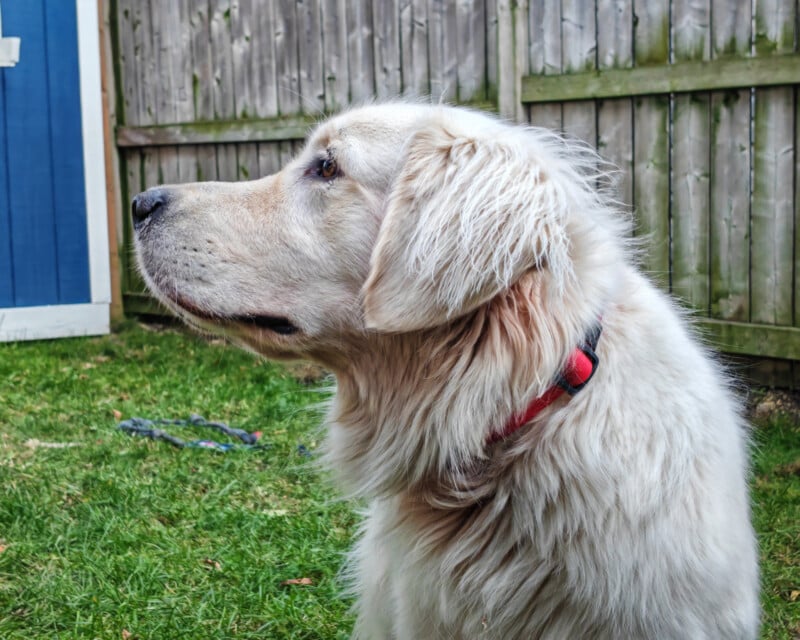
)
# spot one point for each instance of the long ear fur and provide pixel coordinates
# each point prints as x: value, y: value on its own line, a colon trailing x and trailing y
x: 465, y: 218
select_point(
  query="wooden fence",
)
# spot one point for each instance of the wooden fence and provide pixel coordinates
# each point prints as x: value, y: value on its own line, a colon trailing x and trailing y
x: 694, y: 100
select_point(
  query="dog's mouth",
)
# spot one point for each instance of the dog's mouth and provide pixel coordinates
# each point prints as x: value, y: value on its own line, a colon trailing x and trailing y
x: 280, y: 325
x: 276, y: 324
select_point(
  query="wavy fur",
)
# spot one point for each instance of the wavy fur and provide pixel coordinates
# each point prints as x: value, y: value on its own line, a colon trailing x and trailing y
x: 444, y: 275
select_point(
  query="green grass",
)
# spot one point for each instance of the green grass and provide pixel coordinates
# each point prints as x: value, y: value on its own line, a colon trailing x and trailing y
x: 129, y: 534
x: 776, y: 500
x: 119, y: 537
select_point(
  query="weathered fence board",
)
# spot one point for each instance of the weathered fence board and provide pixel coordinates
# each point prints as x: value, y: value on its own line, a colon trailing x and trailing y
x: 334, y: 58
x: 471, y: 49
x: 730, y: 171
x: 796, y: 269
x: 545, y: 57
x: 579, y: 29
x: 615, y: 116
x: 653, y: 79
x: 773, y: 160
x: 691, y: 40
x: 386, y: 42
x: 312, y: 83
x: 360, y: 50
x: 651, y: 117
x: 245, y: 75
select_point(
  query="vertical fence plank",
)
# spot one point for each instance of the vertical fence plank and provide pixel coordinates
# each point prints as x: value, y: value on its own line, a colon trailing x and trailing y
x: 135, y: 180
x: 406, y: 28
x: 471, y: 44
x: 129, y: 160
x: 450, y: 52
x: 386, y: 42
x: 223, y: 90
x: 796, y: 266
x: 144, y: 63
x: 359, y: 50
x: 173, y: 55
x: 287, y: 63
x: 651, y: 141
x: 579, y: 53
x: 545, y: 55
x: 520, y: 12
x: 243, y: 62
x: 202, y: 82
x: 334, y: 59
x: 691, y: 40
x: 244, y: 58
x: 773, y: 179
x: 311, y: 82
x: 269, y: 158
x: 492, y: 52
x: 506, y: 72
x: 436, y: 70
x: 414, y: 56
x: 262, y: 41
x: 129, y: 79
x: 615, y: 117
x: 730, y: 170
x: 264, y: 48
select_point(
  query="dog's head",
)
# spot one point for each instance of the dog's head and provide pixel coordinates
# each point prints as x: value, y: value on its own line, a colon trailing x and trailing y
x: 394, y: 218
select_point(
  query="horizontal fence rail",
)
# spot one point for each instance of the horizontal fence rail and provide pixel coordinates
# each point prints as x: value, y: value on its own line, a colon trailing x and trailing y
x: 682, y: 77
x: 218, y: 131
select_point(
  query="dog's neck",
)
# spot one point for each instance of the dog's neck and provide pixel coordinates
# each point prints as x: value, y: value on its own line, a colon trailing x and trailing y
x: 412, y: 408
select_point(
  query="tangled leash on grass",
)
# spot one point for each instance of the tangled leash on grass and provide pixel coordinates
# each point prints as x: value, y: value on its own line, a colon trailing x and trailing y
x: 150, y: 429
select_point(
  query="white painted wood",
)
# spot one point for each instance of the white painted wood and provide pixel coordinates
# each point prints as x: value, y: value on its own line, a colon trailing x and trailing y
x: 9, y: 48
x: 93, y: 151
x: 62, y: 321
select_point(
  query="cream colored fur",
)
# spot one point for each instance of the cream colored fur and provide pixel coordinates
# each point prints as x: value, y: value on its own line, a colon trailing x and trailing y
x: 444, y: 275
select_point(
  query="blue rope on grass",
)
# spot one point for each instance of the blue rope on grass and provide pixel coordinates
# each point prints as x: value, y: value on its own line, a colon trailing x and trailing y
x: 149, y: 429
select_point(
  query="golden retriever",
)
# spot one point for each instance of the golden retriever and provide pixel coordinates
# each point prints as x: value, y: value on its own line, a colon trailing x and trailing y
x: 454, y: 272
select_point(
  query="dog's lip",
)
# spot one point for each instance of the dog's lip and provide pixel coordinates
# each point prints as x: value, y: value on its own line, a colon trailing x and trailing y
x: 276, y: 324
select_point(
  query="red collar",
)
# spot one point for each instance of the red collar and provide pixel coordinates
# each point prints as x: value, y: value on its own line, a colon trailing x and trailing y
x: 580, y: 368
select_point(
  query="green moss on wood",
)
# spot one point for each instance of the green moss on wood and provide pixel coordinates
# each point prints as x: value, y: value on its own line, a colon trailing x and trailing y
x: 657, y: 49
x: 195, y: 92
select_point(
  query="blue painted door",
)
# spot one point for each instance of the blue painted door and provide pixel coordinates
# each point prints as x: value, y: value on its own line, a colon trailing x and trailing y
x: 44, y: 254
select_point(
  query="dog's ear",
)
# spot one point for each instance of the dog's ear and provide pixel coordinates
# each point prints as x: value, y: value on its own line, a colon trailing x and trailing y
x: 464, y: 219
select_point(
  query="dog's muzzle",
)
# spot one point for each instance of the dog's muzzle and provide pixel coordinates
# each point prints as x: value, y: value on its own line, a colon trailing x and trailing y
x: 148, y: 205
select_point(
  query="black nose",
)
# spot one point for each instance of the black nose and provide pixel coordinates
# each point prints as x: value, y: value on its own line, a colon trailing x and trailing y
x: 148, y: 204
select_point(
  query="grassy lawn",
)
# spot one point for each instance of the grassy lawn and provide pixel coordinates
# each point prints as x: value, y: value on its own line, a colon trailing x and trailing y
x: 117, y: 537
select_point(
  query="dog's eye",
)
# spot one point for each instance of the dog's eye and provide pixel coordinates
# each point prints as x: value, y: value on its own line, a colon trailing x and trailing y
x: 327, y: 168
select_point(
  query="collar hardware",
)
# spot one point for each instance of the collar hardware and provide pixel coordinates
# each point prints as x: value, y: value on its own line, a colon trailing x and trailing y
x: 579, y: 370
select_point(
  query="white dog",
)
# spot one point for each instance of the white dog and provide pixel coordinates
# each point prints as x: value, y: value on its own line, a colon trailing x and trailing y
x: 454, y: 272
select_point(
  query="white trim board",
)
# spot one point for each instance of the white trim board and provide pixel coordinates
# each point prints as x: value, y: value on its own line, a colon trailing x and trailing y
x: 60, y: 321
x: 94, y: 164
x: 56, y: 321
